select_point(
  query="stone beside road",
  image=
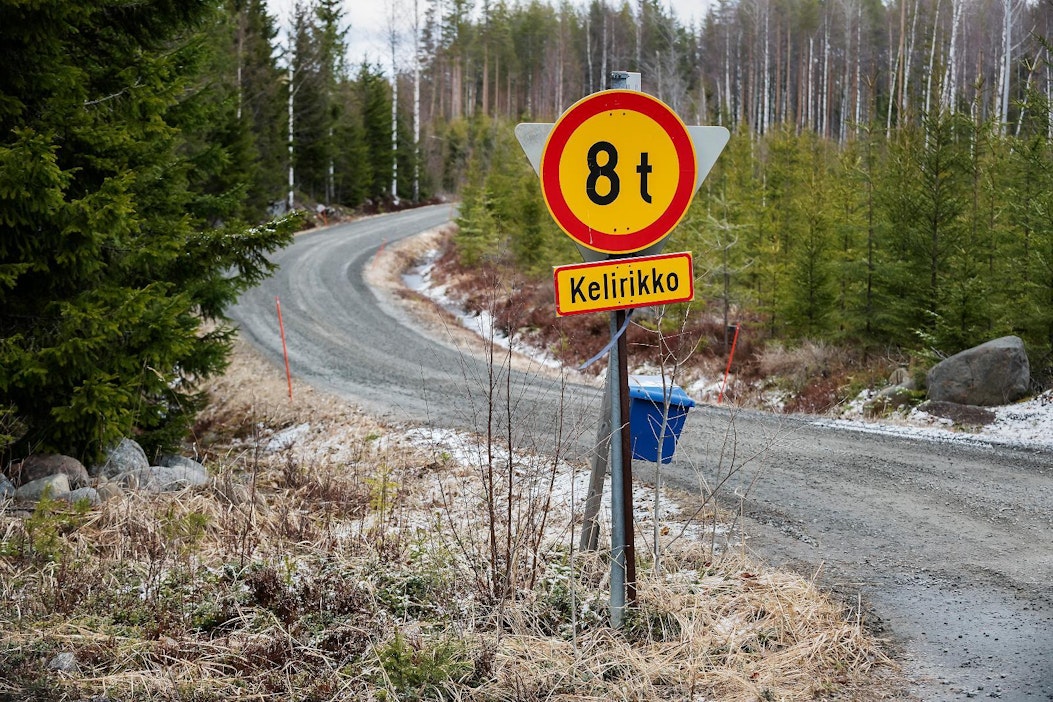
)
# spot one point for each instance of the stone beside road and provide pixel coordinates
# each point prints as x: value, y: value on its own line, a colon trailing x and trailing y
x: 126, y: 467
x: 991, y: 374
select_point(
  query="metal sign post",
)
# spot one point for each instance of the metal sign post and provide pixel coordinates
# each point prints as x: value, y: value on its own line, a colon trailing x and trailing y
x: 618, y: 172
x: 621, y: 469
x: 623, y: 553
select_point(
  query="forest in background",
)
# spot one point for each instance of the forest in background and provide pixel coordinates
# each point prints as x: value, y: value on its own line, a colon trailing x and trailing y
x: 887, y: 185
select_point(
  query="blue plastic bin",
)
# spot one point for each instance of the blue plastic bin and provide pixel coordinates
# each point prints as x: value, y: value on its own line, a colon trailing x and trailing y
x: 646, y: 404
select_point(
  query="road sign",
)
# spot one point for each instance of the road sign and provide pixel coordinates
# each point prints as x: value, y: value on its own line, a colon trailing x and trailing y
x: 618, y: 171
x: 624, y: 283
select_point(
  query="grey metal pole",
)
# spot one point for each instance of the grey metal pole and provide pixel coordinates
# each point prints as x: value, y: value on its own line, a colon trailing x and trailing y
x: 623, y: 557
x: 617, y: 494
x: 590, y: 531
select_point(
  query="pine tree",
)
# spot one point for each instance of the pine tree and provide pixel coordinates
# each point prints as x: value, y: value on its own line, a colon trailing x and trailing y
x: 312, y: 124
x: 109, y: 265
x: 375, y: 109
x: 262, y: 91
x: 808, y: 303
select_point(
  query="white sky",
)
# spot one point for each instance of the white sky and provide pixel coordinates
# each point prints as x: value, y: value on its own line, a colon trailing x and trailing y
x: 369, y: 20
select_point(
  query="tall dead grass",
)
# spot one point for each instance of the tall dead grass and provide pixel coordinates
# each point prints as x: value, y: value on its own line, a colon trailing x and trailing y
x: 322, y: 563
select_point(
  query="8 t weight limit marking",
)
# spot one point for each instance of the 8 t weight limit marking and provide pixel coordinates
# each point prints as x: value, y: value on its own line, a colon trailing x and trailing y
x: 608, y: 172
x: 618, y: 171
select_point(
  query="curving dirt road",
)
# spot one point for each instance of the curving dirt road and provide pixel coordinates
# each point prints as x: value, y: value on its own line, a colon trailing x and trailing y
x: 949, y: 546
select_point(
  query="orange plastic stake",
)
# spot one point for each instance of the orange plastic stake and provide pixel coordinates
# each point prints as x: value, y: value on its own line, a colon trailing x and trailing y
x: 285, y: 349
x: 377, y: 254
x: 735, y: 340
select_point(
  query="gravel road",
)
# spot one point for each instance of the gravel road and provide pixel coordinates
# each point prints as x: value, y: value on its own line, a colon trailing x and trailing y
x: 948, y: 546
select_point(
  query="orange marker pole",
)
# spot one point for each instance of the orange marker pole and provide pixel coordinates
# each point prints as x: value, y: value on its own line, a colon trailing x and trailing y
x: 734, y: 340
x: 285, y: 349
x: 377, y: 254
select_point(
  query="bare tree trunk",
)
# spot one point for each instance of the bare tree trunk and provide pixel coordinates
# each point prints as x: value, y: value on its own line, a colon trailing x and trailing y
x: 905, y: 91
x: 393, y: 45
x: 932, y: 60
x: 800, y: 109
x: 486, y: 79
x: 765, y: 122
x: 749, y: 102
x: 559, y: 72
x: 779, y: 114
x: 741, y: 105
x: 896, y: 76
x: 949, y: 95
x: 603, y: 54
x: 639, y: 34
x: 1049, y: 98
x: 588, y: 51
x: 455, y: 89
x: 438, y: 94
x: 241, y: 58
x: 978, y: 101
x: 858, y: 111
x: 1032, y: 65
x: 846, y: 81
x: 1002, y: 111
x: 824, y: 114
x: 394, y: 136
x: 810, y: 103
x: 727, y: 76
x: 703, y: 114
x: 292, y: 92
x: 788, y: 93
x: 416, y: 101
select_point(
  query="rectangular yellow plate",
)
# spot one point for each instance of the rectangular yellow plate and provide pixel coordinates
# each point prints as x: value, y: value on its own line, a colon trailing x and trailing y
x: 624, y: 283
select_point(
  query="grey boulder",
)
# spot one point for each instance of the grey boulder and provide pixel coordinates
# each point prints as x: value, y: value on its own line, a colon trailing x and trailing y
x: 125, y: 457
x: 991, y: 374
x: 56, y: 486
x: 163, y: 478
x: 40, y: 466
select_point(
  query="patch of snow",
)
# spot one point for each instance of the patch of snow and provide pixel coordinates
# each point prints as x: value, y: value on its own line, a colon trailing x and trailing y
x: 1027, y: 424
x: 707, y: 389
x: 286, y: 438
x: 564, y: 487
x: 1024, y: 424
x: 419, y: 280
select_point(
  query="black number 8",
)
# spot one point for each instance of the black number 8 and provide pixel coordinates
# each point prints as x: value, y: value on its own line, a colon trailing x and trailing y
x: 596, y: 171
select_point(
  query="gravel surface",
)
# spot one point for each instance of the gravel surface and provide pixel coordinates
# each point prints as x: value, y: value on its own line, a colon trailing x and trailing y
x: 948, y: 547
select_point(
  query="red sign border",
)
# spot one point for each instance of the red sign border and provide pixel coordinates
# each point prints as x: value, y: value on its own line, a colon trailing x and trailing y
x: 551, y: 155
x: 624, y: 261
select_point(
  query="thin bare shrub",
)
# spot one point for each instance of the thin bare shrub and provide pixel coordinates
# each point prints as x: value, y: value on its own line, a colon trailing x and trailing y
x: 798, y: 365
x: 509, y: 479
x: 368, y: 575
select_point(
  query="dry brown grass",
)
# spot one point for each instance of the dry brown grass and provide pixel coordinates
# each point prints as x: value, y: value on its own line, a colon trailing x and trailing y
x: 329, y: 570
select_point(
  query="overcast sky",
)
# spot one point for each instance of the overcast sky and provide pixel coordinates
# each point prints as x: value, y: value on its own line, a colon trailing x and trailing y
x: 369, y: 20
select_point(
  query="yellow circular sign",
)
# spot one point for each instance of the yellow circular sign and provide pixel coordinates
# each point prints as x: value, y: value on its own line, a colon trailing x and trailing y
x: 618, y: 171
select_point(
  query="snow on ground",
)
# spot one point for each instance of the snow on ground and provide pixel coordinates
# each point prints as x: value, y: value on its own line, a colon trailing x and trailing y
x: 1024, y: 424
x: 566, y: 486
x: 419, y: 280
x: 1028, y: 423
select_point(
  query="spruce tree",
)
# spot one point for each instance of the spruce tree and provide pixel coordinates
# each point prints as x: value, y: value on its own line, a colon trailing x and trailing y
x: 375, y: 109
x: 262, y: 99
x: 312, y: 126
x: 924, y: 200
x: 113, y: 279
x: 808, y: 303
